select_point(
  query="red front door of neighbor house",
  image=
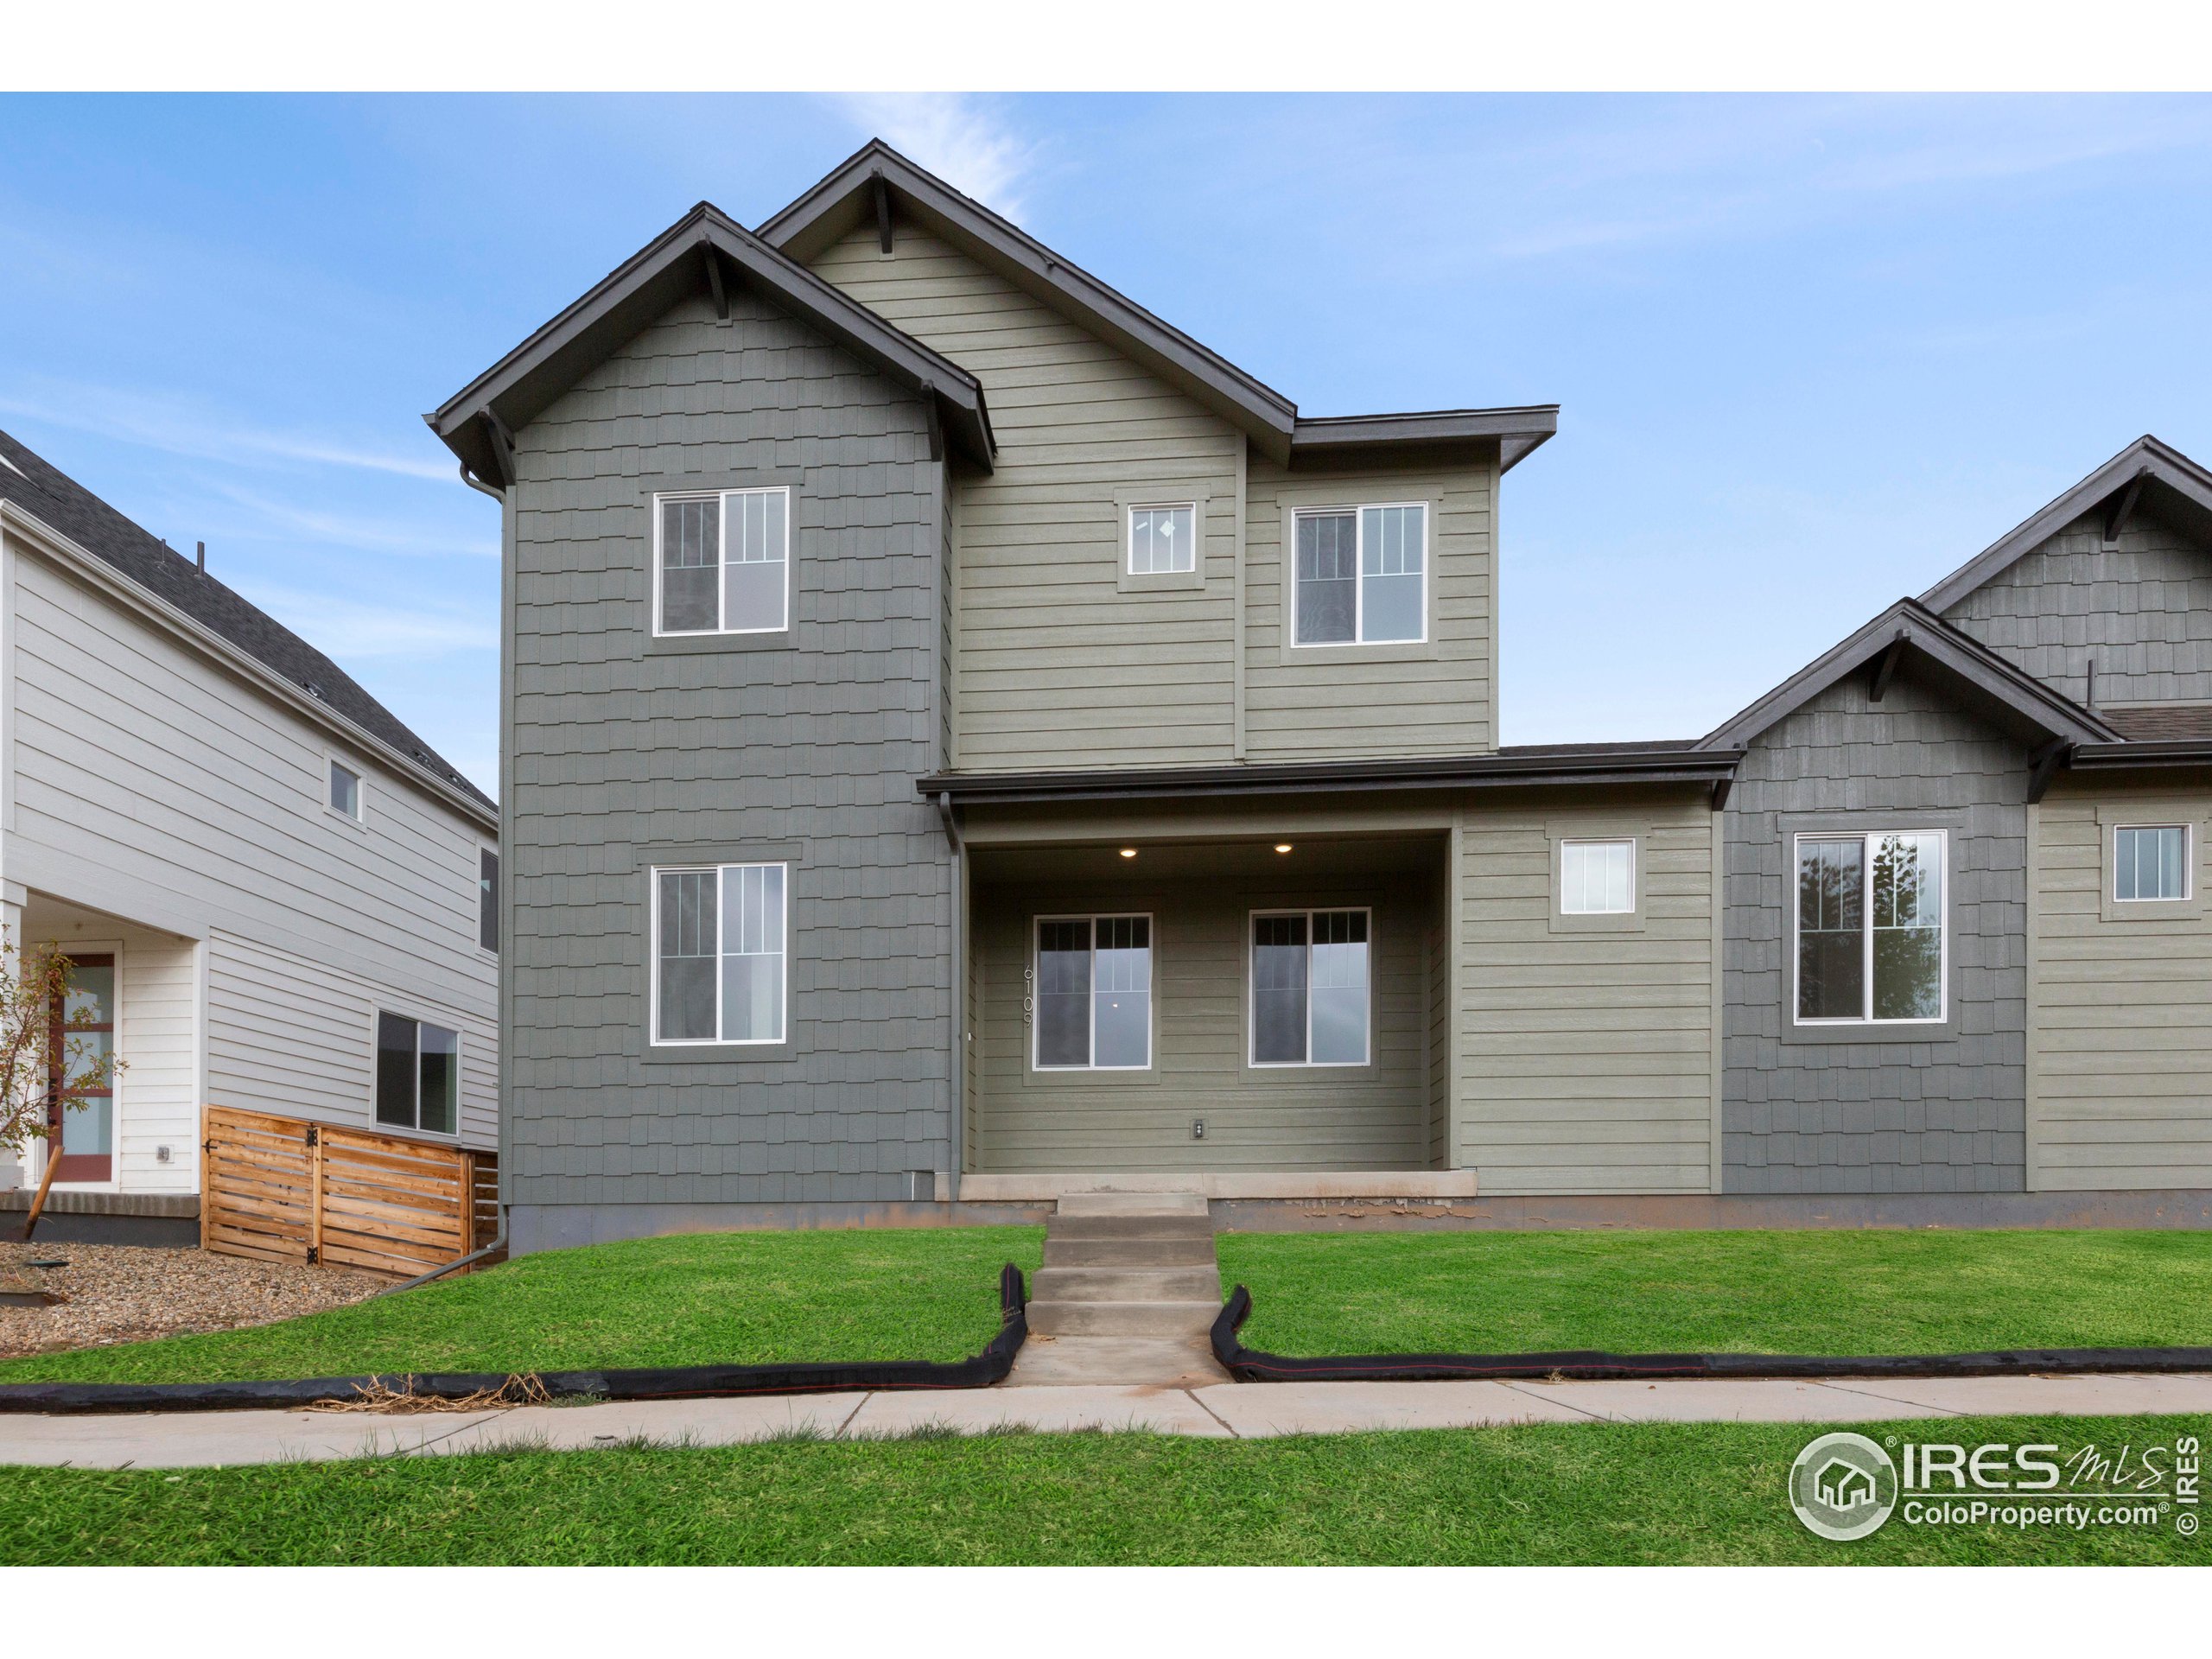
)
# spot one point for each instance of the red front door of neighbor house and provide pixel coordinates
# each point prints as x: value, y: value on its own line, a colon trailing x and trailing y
x: 85, y: 1117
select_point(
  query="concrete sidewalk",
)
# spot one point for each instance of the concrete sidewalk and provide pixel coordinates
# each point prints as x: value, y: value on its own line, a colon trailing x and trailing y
x: 1225, y: 1411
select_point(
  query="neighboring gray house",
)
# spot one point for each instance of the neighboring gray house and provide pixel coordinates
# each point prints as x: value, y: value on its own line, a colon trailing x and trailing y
x: 967, y: 742
x: 266, y: 881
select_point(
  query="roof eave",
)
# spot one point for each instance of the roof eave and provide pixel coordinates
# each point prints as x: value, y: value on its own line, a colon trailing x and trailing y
x: 1525, y: 771
x: 1357, y: 438
x: 2163, y: 752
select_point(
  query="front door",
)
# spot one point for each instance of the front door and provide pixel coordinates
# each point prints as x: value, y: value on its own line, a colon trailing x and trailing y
x: 80, y: 1029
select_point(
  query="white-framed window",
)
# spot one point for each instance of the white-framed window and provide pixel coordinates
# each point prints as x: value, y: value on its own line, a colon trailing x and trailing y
x: 2150, y: 862
x: 343, y: 793
x: 1163, y: 540
x: 1361, y: 575
x: 418, y: 1075
x: 1310, y: 989
x: 1598, y: 878
x: 722, y: 561
x: 1872, y: 945
x: 1091, y: 1004
x: 719, y: 953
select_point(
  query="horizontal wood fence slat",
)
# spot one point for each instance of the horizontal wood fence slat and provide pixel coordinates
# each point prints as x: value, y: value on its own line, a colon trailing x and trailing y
x: 282, y: 1189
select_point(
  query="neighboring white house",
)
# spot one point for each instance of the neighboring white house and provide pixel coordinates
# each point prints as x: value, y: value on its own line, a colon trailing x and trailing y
x: 278, y: 895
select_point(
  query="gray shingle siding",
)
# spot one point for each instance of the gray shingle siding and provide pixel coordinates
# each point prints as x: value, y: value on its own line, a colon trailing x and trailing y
x: 1939, y: 1116
x: 807, y: 752
x: 2141, y: 610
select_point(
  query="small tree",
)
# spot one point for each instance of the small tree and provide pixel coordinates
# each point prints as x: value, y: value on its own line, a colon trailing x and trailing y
x: 40, y: 1051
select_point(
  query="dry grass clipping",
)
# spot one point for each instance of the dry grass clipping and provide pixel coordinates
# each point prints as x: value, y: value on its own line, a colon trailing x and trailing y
x: 379, y: 1396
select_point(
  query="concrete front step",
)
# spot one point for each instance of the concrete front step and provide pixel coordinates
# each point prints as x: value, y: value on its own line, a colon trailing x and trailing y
x: 1046, y: 1361
x: 1132, y: 1203
x: 1164, y: 1321
x: 1124, y: 1284
x: 1193, y: 1252
x: 1151, y: 1227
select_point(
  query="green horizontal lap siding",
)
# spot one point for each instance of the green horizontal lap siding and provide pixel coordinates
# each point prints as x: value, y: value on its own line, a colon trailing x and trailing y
x: 617, y: 749
x: 2142, y: 612
x: 2123, y: 1017
x: 1322, y: 1119
x: 1053, y: 660
x: 1945, y: 1116
x: 1586, y: 1057
x: 1321, y: 705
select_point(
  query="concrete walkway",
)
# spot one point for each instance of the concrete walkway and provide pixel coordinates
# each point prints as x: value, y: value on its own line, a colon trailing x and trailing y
x: 1223, y: 1411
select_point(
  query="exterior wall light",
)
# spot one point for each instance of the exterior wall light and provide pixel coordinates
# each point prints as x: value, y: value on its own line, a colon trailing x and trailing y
x: 1128, y: 852
x: 1282, y: 846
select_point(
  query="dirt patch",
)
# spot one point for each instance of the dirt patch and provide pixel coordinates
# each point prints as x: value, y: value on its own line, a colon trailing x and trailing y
x: 127, y: 1293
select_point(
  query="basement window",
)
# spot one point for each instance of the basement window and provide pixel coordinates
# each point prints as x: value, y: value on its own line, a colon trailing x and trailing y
x: 418, y: 1075
x: 1310, y: 983
x: 1871, y: 934
x: 722, y: 563
x: 1091, y: 1004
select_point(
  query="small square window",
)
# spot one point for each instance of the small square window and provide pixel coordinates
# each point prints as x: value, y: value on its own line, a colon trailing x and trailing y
x: 345, y: 792
x: 1597, y: 878
x: 1163, y: 541
x: 2150, y: 863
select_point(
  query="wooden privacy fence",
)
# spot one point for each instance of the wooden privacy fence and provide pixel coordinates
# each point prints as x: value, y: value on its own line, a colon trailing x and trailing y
x: 285, y: 1190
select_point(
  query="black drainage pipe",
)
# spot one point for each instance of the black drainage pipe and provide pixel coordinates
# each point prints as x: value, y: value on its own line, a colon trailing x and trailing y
x: 501, y: 1388
x: 1589, y: 1364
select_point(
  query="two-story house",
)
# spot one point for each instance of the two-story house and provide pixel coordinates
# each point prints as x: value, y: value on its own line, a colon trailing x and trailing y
x: 966, y: 741
x: 277, y: 897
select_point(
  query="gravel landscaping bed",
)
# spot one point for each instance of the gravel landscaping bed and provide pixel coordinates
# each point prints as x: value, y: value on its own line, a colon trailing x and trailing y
x: 126, y: 1293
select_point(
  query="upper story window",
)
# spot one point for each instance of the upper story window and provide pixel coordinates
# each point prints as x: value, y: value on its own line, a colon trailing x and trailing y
x: 487, y: 900
x: 345, y: 793
x: 723, y: 565
x: 1597, y: 878
x: 2150, y: 862
x: 1093, y: 999
x: 1310, y: 988
x: 1163, y: 541
x: 1871, y: 927
x: 719, y: 954
x: 1362, y: 575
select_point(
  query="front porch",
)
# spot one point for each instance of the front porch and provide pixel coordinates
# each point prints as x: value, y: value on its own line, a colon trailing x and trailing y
x: 1237, y: 1012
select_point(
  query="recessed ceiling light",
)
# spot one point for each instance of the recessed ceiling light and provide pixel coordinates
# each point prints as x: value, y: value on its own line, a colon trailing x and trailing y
x: 1282, y: 846
x: 1128, y: 852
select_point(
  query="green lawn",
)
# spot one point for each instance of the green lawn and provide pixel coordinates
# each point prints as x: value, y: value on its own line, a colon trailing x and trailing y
x: 707, y: 1298
x: 1815, y: 1293
x: 1575, y: 1493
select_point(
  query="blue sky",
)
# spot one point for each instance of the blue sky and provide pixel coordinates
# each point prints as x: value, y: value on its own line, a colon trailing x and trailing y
x: 1812, y: 353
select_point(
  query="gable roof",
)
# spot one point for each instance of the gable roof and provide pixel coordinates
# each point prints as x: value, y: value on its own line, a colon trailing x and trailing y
x: 699, y: 253
x: 44, y: 493
x: 2171, y: 480
x: 848, y: 198
x: 1910, y: 625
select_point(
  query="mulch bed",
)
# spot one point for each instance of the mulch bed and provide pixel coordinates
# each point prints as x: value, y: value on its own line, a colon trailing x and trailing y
x: 127, y: 1293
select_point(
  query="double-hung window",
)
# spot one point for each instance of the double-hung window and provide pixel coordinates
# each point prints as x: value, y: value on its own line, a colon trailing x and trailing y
x: 1361, y: 575
x: 719, y: 954
x: 418, y: 1075
x: 1871, y: 945
x: 1310, y: 981
x: 723, y: 562
x: 1093, y: 994
x: 2150, y: 862
x: 1163, y: 541
x: 343, y: 796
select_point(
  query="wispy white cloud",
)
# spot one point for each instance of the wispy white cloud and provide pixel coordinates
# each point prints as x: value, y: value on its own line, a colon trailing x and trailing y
x: 346, y: 629
x: 180, y: 426
x: 962, y: 138
x: 351, y: 529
